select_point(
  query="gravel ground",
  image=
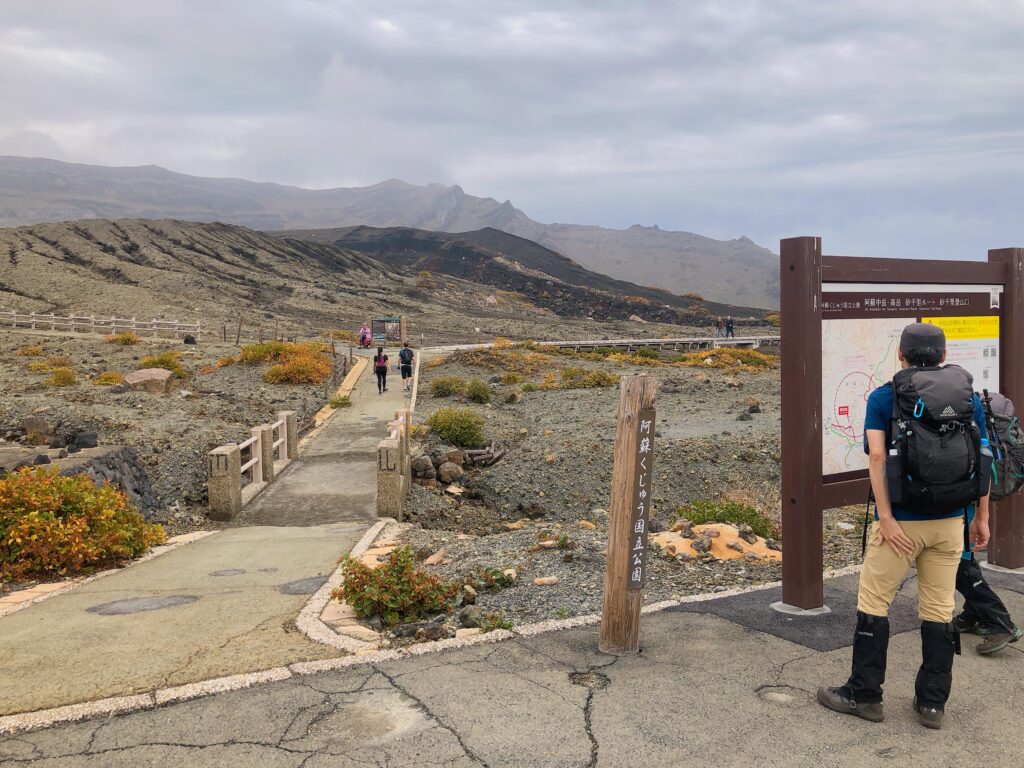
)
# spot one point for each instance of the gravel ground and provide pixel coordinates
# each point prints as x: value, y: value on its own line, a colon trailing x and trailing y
x: 172, y: 433
x: 557, y: 473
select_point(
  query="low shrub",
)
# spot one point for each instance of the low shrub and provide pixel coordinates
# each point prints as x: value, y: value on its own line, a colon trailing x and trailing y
x: 493, y: 620
x: 52, y: 525
x: 59, y: 361
x: 343, y: 334
x: 300, y: 368
x: 478, y: 392
x: 646, y: 352
x: 29, y: 351
x: 579, y: 378
x: 512, y: 397
x: 604, y: 351
x: 125, y: 339
x: 693, y: 295
x: 512, y: 378
x: 489, y: 580
x: 61, y: 377
x: 38, y: 367
x: 223, y: 362
x: 36, y: 438
x: 264, y: 352
x: 447, y: 386
x: 726, y: 511
x: 341, y: 402
x: 437, y: 362
x: 108, y: 379
x: 396, y: 590
x: 739, y: 359
x: 774, y: 319
x: 458, y: 426
x: 168, y: 360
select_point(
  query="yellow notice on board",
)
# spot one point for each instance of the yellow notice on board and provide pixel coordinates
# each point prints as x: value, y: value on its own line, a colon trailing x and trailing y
x: 983, y: 327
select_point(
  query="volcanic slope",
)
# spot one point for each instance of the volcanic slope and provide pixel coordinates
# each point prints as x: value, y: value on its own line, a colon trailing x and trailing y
x: 492, y: 257
x: 34, y: 190
x: 217, y: 273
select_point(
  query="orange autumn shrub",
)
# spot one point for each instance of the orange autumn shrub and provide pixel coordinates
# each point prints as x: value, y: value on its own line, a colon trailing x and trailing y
x: 304, y: 363
x: 52, y: 525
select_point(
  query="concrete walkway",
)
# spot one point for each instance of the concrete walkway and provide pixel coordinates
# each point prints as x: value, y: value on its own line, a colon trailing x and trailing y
x: 231, y: 598
x: 726, y: 683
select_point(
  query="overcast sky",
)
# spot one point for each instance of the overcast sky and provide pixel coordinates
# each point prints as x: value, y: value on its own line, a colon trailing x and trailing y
x: 889, y: 128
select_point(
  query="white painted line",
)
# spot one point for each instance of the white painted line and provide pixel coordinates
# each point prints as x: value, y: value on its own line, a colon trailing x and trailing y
x: 172, y: 544
x: 219, y: 685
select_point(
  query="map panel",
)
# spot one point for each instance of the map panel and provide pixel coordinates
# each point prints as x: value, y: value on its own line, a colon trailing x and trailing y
x: 856, y: 357
x: 973, y: 343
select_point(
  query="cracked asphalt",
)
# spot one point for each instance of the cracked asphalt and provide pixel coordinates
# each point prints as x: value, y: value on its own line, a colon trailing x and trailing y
x: 704, y: 690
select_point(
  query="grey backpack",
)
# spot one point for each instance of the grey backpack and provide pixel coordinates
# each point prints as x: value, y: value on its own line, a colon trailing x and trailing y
x: 1007, y: 439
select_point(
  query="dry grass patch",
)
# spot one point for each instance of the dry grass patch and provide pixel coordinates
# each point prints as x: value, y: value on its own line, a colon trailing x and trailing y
x: 59, y: 361
x: 735, y: 359
x: 61, y: 377
x: 169, y: 361
x: 33, y: 350
x: 38, y: 367
x: 125, y: 339
x: 108, y: 379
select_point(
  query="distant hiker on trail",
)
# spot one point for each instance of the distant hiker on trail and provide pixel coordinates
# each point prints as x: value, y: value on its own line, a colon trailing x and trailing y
x: 406, y: 356
x: 719, y: 327
x: 729, y: 330
x: 380, y: 367
x: 929, y: 463
x: 364, y: 336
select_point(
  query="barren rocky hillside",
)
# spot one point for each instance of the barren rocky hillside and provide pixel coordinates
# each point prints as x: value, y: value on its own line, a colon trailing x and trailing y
x: 36, y: 190
x: 218, y: 273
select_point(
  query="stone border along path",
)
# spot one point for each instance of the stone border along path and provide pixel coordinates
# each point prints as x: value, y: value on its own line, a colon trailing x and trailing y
x: 162, y: 696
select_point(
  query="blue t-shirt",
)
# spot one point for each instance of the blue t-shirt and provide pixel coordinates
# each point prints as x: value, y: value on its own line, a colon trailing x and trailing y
x: 879, y: 416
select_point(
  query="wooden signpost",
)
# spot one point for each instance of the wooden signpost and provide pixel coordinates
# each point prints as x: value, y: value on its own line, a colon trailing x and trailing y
x: 629, y: 516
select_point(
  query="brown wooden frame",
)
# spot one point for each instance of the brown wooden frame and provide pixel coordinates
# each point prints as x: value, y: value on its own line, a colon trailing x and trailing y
x: 803, y: 269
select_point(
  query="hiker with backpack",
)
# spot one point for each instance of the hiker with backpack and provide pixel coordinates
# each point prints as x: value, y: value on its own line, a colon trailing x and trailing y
x: 380, y: 367
x: 406, y: 355
x: 926, y: 438
x: 984, y: 612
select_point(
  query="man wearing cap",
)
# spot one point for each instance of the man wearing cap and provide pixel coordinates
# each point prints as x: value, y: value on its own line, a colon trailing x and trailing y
x: 899, y: 539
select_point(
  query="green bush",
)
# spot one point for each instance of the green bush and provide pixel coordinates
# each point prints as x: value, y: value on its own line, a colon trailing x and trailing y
x: 166, y: 360
x: 647, y: 352
x: 396, y: 590
x: 263, y: 352
x: 52, y: 525
x: 725, y: 511
x: 580, y: 378
x: 512, y: 378
x: 447, y: 386
x: 458, y: 426
x: 340, y: 402
x: 604, y: 351
x: 61, y: 377
x: 478, y: 392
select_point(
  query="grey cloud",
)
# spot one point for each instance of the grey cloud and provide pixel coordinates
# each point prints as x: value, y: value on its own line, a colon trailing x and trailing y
x: 889, y: 128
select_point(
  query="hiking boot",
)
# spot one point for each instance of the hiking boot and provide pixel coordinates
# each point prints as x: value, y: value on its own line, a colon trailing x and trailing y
x: 929, y: 716
x: 996, y: 641
x: 969, y: 626
x: 838, y: 700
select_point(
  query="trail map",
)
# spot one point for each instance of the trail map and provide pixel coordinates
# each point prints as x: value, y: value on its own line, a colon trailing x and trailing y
x: 856, y: 357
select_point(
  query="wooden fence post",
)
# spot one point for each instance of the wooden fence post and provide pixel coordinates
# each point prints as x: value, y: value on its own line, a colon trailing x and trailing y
x: 628, y: 516
x: 238, y: 333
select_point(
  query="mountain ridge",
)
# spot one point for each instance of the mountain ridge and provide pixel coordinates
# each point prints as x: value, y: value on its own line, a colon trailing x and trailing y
x: 39, y: 190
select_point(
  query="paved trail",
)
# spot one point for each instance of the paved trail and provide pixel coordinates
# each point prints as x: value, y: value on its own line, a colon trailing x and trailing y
x: 245, y: 584
x: 726, y: 683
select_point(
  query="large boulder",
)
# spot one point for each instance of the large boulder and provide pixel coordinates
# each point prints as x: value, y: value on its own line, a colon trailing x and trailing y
x: 423, y: 468
x: 35, y: 423
x: 155, y: 380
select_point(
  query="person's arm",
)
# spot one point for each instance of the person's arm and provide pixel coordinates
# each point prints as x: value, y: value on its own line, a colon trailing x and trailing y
x: 979, y: 525
x: 889, y: 528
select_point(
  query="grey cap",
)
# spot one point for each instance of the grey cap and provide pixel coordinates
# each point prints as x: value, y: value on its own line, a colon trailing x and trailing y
x: 922, y: 335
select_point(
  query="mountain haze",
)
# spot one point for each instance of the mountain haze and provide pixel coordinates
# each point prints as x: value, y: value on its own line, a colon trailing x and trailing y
x: 34, y: 190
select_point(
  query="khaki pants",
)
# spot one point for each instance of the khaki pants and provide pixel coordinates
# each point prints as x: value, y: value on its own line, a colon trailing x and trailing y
x: 938, y: 545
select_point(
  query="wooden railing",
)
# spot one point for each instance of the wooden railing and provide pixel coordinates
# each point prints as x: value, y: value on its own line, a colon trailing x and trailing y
x: 93, y: 324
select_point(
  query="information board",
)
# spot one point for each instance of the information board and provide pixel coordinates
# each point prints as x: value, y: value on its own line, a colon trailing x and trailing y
x: 860, y: 331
